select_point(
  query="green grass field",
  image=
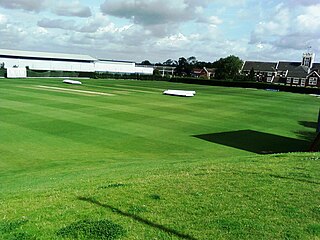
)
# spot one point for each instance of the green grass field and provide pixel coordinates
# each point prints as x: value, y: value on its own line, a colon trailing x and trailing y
x: 116, y: 159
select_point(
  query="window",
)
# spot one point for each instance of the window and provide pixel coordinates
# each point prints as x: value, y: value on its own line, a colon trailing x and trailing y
x: 269, y: 74
x: 289, y: 80
x: 295, y: 81
x: 313, y: 81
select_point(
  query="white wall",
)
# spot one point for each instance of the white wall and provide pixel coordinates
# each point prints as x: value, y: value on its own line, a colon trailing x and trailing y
x: 49, y: 65
x: 100, y: 66
x: 122, y: 67
x: 144, y: 70
x: 16, y: 72
x: 114, y: 67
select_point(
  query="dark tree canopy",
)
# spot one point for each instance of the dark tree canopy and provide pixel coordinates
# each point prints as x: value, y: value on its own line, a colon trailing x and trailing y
x: 170, y: 62
x: 146, y: 62
x: 228, y: 68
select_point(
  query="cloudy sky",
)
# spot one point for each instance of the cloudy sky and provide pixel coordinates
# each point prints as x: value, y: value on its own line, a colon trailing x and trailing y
x: 161, y: 29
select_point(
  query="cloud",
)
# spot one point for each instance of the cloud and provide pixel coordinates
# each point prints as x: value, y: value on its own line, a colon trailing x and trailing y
x: 11, y: 34
x: 57, y: 23
x: 72, y: 9
x: 212, y: 20
x: 289, y: 31
x: 150, y: 12
x: 94, y: 23
x: 159, y: 17
x: 302, y: 2
x: 277, y: 26
x: 309, y: 21
x: 3, y: 19
x: 154, y: 12
x: 27, y: 5
x: 61, y: 8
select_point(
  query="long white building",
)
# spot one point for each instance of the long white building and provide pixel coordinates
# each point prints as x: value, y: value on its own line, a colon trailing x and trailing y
x: 67, y: 62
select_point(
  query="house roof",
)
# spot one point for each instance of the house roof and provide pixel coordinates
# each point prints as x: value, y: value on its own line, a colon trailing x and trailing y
x: 259, y: 66
x: 284, y: 66
x: 197, y: 70
x: 312, y: 72
x: 298, y: 72
x: 204, y: 69
x: 45, y: 55
x: 316, y: 66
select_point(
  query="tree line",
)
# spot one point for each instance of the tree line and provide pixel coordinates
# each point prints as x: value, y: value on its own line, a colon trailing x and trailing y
x: 225, y: 68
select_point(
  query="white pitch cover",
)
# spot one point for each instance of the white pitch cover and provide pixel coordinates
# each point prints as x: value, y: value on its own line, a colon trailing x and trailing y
x: 72, y: 82
x: 181, y: 93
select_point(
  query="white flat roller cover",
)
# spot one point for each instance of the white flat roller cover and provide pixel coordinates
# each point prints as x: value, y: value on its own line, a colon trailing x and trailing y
x: 72, y: 82
x: 181, y: 93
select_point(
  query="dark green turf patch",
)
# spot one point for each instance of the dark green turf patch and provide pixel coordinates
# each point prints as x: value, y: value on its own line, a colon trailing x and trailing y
x: 11, y: 230
x: 314, y: 229
x: 137, y: 209
x: 113, y: 185
x: 11, y: 226
x: 155, y: 197
x: 88, y: 229
x: 228, y: 225
x: 21, y: 236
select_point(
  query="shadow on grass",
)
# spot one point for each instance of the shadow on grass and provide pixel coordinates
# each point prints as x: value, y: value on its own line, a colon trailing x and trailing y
x: 311, y: 135
x: 257, y: 142
x: 294, y: 179
x: 137, y: 218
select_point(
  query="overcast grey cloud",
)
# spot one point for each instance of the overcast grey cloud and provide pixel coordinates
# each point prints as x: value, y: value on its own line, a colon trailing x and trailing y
x: 153, y: 12
x: 159, y: 17
x: 57, y: 23
x: 61, y: 8
x: 28, y: 5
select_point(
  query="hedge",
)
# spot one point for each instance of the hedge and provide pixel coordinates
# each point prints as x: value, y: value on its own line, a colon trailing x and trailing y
x: 243, y: 84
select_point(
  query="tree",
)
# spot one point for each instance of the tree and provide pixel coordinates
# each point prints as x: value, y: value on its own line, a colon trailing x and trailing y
x: 170, y: 62
x: 228, y: 68
x: 183, y: 67
x: 192, y: 60
x: 251, y: 76
x: 145, y: 62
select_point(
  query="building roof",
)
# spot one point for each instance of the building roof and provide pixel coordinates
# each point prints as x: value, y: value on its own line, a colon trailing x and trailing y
x: 316, y: 66
x: 298, y: 72
x: 284, y: 66
x: 259, y: 66
x: 45, y: 55
x: 116, y: 61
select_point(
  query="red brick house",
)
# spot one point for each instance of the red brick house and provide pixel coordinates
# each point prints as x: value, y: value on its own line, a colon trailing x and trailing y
x: 206, y: 73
